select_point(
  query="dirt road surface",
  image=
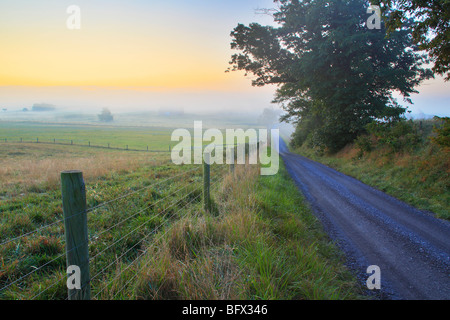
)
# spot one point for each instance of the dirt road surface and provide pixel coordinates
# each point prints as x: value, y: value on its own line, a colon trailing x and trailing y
x: 411, y: 247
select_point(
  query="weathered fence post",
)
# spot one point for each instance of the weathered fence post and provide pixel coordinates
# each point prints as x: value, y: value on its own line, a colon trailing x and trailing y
x: 75, y: 222
x: 230, y: 158
x: 232, y: 168
x: 206, y: 181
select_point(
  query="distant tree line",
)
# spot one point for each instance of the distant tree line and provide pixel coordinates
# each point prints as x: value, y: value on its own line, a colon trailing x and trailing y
x: 42, y: 107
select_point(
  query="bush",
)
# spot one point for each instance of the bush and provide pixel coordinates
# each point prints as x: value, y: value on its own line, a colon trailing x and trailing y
x: 364, y: 144
x: 322, y: 137
x: 442, y: 133
x: 299, y: 136
x: 398, y: 136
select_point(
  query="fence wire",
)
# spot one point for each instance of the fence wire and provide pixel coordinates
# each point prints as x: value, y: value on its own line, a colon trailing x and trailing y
x: 103, y: 204
x: 90, y: 240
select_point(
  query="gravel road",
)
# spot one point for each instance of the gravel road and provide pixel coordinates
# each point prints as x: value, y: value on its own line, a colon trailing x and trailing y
x: 411, y: 247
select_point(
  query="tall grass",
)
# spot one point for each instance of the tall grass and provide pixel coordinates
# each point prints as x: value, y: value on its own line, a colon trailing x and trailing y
x: 137, y: 196
x: 260, y: 242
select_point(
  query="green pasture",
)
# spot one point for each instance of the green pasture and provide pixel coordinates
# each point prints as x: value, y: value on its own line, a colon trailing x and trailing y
x: 156, y: 138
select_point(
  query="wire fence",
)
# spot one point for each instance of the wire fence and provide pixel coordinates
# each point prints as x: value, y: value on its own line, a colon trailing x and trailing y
x: 83, y: 143
x: 120, y: 232
x: 87, y: 143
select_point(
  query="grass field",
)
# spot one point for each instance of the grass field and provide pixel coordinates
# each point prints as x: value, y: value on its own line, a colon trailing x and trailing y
x: 155, y: 138
x: 26, y: 167
x: 32, y: 200
x: 149, y: 237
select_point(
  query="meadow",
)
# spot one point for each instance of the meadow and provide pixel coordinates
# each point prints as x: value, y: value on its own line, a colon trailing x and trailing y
x: 146, y: 187
x: 149, y: 236
x: 122, y: 137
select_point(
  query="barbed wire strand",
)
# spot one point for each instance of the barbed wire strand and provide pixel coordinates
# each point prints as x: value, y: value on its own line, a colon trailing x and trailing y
x: 140, y: 226
x: 143, y: 253
x: 49, y: 287
x: 144, y: 188
x: 173, y: 204
x: 93, y: 208
x: 152, y: 232
x: 117, y: 241
x: 40, y: 267
x: 140, y: 211
x: 65, y: 253
x: 99, y: 236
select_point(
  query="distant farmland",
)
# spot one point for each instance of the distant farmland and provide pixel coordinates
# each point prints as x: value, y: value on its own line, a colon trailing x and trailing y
x: 115, y: 136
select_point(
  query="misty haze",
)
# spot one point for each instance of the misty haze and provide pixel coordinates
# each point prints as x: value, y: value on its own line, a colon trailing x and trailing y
x: 231, y: 157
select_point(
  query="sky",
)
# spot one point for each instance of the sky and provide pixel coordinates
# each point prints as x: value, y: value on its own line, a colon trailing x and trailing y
x: 138, y: 54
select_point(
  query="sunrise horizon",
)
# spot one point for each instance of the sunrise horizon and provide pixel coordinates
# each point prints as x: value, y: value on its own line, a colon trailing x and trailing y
x: 139, y: 55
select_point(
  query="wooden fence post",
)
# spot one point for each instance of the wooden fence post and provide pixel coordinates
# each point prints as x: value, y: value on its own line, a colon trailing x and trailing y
x: 230, y: 158
x: 206, y: 182
x: 75, y: 222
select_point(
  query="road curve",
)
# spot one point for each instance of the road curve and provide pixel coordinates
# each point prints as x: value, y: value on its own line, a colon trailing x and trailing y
x: 411, y: 247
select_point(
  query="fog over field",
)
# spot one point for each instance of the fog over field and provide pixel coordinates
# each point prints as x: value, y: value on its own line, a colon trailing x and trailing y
x: 241, y: 150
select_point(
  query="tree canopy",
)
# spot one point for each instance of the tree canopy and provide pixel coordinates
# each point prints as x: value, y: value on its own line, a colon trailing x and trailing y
x: 334, y: 74
x: 429, y: 21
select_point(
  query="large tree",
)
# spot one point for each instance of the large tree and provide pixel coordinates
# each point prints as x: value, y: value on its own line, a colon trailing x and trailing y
x: 334, y: 74
x: 429, y: 21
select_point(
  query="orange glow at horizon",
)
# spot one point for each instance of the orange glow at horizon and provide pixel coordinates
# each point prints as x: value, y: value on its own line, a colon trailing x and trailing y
x: 62, y: 64
x: 109, y: 55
